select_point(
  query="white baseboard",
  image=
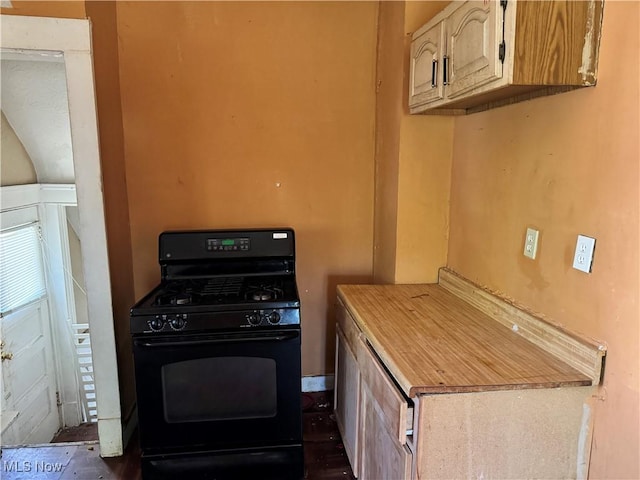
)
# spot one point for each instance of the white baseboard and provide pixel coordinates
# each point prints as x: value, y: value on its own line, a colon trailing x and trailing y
x: 317, y: 383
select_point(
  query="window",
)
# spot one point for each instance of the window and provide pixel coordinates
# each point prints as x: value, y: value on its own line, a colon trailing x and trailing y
x: 21, y: 269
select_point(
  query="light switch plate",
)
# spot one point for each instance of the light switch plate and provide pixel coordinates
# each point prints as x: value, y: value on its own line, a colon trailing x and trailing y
x: 583, y: 256
x: 531, y: 243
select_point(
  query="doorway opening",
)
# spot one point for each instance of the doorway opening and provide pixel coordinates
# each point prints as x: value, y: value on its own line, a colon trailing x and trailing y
x: 69, y: 41
x: 47, y: 371
x: 47, y: 378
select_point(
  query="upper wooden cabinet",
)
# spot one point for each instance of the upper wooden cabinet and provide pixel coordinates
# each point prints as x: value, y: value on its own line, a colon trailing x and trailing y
x: 476, y: 55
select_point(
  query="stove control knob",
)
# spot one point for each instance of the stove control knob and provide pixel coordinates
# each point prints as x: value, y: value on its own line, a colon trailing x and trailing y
x: 274, y: 318
x: 253, y: 318
x: 177, y: 323
x: 156, y: 324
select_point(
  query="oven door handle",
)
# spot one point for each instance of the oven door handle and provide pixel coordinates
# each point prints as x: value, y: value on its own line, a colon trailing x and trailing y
x: 217, y: 341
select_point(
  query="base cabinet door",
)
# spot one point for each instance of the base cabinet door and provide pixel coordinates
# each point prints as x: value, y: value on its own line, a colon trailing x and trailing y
x: 347, y: 398
x: 382, y: 457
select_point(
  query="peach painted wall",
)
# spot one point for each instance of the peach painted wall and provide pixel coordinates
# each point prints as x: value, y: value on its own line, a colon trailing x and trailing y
x: 413, y: 160
x: 242, y: 114
x: 389, y: 116
x: 566, y: 164
x: 424, y: 177
x: 36, y: 8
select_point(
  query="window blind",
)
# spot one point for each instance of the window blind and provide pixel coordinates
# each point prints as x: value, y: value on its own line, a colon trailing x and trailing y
x: 21, y: 268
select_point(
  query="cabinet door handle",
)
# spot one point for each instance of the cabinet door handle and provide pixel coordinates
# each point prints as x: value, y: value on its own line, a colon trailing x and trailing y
x: 445, y: 70
x: 434, y: 73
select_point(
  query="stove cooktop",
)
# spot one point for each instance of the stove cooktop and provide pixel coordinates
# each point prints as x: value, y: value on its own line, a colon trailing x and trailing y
x: 219, y: 294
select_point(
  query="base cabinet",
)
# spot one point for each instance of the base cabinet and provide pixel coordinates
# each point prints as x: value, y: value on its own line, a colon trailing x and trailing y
x: 535, y: 433
x: 520, y: 433
x: 347, y: 398
x: 372, y: 414
x: 383, y: 457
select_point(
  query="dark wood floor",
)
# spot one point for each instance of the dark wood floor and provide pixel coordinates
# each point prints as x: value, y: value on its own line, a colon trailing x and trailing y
x: 85, y: 432
x: 324, y: 454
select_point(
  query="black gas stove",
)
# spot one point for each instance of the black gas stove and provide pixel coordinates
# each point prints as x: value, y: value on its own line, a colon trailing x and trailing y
x: 217, y: 357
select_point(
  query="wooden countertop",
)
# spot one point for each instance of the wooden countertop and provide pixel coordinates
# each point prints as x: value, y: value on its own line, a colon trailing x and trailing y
x: 432, y: 341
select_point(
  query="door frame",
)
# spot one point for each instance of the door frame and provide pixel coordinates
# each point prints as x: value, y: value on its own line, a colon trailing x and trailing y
x: 71, y: 38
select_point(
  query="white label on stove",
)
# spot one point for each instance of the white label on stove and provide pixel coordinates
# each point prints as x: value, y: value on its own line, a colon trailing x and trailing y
x: 279, y: 235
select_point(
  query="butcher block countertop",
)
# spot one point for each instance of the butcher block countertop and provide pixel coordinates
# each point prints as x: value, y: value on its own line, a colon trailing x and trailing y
x: 434, y: 341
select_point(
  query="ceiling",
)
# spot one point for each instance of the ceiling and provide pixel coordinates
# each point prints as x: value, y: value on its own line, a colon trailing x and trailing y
x: 34, y: 101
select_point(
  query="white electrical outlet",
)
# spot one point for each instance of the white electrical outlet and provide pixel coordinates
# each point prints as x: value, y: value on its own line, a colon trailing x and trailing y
x: 583, y: 256
x: 531, y: 243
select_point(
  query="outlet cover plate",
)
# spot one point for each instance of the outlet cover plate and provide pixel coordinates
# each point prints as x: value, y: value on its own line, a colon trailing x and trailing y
x: 531, y: 243
x: 583, y: 256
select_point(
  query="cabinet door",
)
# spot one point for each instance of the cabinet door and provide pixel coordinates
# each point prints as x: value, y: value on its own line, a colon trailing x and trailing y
x: 347, y: 398
x: 473, y: 36
x: 383, y: 457
x: 425, y: 78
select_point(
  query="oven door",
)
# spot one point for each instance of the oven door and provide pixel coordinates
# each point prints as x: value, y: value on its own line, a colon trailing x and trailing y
x: 218, y: 391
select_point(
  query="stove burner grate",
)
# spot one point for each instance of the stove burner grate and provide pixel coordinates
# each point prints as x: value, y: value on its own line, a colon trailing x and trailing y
x: 200, y: 291
x: 173, y: 298
x: 220, y: 290
x: 227, y: 286
x: 262, y: 292
x: 181, y: 299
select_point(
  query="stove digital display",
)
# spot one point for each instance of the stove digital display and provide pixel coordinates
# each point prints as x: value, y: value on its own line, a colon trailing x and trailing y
x: 228, y: 244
